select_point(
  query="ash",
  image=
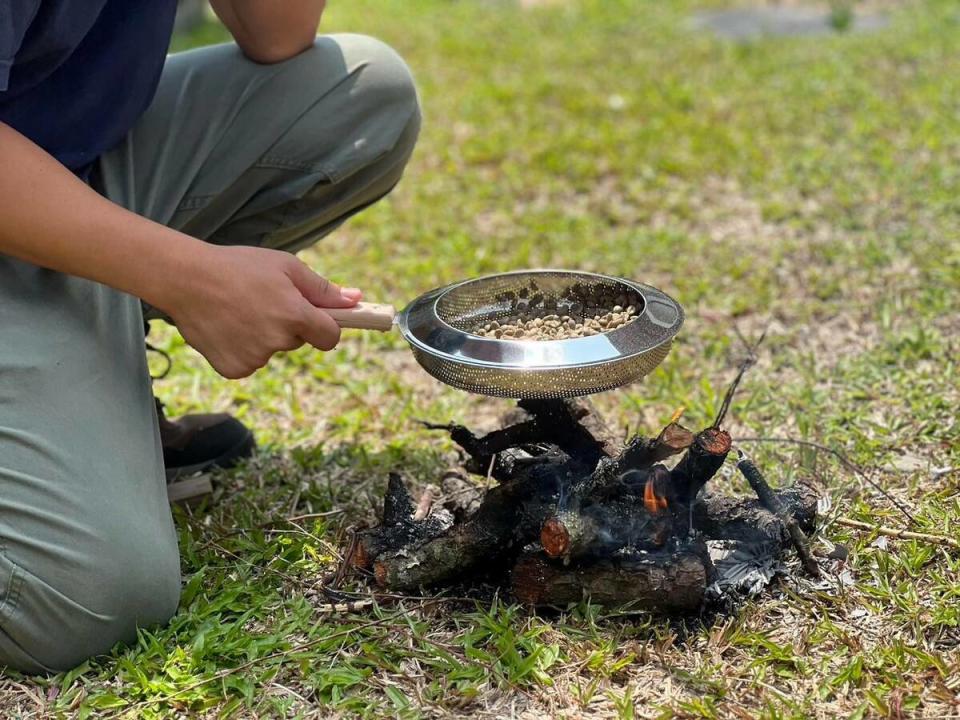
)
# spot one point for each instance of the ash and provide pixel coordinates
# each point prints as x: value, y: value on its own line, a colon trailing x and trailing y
x: 743, y: 570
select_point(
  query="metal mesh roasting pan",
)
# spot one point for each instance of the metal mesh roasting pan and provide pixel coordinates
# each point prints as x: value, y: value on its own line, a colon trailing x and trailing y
x: 440, y: 327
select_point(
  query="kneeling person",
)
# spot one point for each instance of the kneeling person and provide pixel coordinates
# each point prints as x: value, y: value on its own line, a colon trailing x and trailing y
x: 183, y: 185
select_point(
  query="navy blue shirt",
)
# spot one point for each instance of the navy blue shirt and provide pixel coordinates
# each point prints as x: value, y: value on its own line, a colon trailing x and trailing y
x: 76, y: 74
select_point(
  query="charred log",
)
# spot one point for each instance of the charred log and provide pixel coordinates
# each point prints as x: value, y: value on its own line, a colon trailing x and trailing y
x: 509, y: 517
x: 633, y: 466
x: 573, y: 517
x: 397, y: 528
x: 701, y: 461
x: 666, y: 580
x: 397, y: 503
x: 771, y: 501
x: 721, y: 517
x: 576, y: 425
x: 484, y: 446
x: 643, y: 452
x: 599, y: 530
x: 554, y: 431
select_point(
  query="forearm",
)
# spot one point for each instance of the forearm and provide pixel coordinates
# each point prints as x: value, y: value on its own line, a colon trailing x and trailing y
x: 270, y: 31
x: 50, y: 218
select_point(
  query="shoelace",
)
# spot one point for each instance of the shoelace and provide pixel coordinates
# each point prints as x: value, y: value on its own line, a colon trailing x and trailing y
x: 165, y: 355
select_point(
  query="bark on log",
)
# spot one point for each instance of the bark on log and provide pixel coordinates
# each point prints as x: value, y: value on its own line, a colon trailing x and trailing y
x: 602, y: 531
x: 397, y: 528
x: 616, y: 516
x: 643, y: 452
x: 509, y: 517
x: 662, y: 581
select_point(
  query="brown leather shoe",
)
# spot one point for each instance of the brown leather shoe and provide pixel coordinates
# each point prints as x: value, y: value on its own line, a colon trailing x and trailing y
x: 196, y: 443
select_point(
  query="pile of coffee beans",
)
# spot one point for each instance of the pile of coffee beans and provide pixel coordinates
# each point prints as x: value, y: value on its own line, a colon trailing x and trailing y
x: 581, y: 311
x: 558, y: 327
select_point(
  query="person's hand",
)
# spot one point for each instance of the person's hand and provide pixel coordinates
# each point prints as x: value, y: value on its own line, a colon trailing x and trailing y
x: 249, y: 303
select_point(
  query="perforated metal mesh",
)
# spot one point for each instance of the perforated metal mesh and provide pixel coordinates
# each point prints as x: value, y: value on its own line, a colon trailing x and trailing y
x: 542, y: 384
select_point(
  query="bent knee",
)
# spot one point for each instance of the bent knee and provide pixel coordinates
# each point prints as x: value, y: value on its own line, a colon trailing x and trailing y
x: 366, y: 112
x: 57, y: 628
x: 381, y: 70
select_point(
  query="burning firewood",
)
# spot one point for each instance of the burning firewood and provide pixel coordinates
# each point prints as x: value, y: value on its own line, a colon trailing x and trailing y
x: 576, y: 513
x: 507, y: 518
x: 702, y: 461
x: 586, y: 528
x: 643, y: 452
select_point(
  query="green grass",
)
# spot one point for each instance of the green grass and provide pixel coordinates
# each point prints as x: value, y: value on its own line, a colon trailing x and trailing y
x: 809, y: 185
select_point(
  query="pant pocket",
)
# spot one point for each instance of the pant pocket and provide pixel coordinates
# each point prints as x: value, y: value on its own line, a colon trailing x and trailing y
x: 11, y: 579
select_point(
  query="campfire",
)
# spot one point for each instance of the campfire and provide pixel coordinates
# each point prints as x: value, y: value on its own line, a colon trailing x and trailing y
x: 566, y: 511
x: 574, y: 512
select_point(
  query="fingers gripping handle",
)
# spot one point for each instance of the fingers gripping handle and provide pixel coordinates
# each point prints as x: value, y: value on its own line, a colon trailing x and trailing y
x: 364, y: 316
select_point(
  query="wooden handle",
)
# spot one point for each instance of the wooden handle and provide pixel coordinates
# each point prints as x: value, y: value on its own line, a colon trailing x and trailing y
x: 364, y: 316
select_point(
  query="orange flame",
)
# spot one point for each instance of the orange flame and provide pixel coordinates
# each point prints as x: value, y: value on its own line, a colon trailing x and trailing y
x: 653, y: 502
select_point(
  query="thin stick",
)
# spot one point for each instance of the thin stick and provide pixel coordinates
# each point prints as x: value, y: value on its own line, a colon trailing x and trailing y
x: 748, y: 362
x: 308, y: 516
x: 844, y: 460
x: 493, y: 462
x: 344, y: 607
x: 346, y: 563
x: 423, y: 507
x: 896, y: 533
x: 771, y: 502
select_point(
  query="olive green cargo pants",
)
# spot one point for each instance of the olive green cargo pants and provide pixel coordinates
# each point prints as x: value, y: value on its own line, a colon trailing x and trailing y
x: 229, y: 151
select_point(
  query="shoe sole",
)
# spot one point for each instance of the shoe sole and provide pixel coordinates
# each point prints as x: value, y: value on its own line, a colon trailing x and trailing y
x: 225, y: 461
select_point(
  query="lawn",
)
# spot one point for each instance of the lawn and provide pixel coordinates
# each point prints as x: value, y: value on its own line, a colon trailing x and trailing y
x: 807, y: 186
